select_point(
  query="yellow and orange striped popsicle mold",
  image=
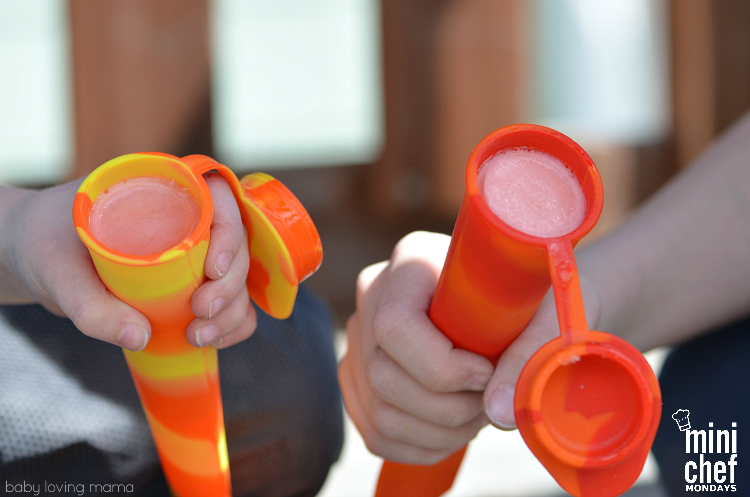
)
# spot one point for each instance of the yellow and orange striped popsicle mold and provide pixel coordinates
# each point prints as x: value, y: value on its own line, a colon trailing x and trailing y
x: 177, y: 383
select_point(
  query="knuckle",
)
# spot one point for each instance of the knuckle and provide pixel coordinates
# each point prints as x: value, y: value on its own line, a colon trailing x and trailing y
x: 243, y: 306
x: 460, y: 415
x: 227, y: 229
x: 348, y: 391
x: 380, y: 378
x: 438, y: 378
x: 341, y: 372
x: 405, y: 243
x: 383, y: 420
x: 251, y: 318
x: 386, y: 322
x: 515, y: 359
x: 199, y: 304
x: 243, y: 258
x: 352, y: 324
x: 452, y: 420
x: 242, y: 333
x: 236, y: 314
x: 88, y: 318
x: 375, y: 443
x: 224, y: 341
x: 365, y: 280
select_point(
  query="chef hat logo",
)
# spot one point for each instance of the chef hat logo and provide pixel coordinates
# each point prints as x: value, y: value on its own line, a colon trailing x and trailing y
x: 682, y: 418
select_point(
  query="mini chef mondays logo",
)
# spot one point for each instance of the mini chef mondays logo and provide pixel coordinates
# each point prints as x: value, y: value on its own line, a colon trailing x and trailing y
x: 713, y: 465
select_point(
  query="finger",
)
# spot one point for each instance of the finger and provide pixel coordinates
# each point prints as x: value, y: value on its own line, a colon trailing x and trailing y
x: 242, y: 333
x: 370, y: 283
x: 94, y: 310
x: 396, y: 424
x: 401, y: 326
x: 205, y: 332
x: 226, y: 228
x: 54, y: 308
x: 228, y: 259
x: 377, y: 444
x: 391, y: 384
x: 498, y: 397
x: 365, y: 281
x: 65, y: 280
x: 212, y: 296
x: 360, y: 343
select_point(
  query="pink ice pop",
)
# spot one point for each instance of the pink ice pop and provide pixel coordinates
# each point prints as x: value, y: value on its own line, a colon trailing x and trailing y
x: 143, y: 215
x: 532, y: 192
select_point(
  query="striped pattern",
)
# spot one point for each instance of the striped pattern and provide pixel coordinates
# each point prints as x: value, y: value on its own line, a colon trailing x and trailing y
x: 587, y: 404
x: 178, y: 384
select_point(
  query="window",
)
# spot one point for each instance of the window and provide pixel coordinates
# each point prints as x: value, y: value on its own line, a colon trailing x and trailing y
x: 296, y: 82
x: 36, y: 126
x: 601, y: 69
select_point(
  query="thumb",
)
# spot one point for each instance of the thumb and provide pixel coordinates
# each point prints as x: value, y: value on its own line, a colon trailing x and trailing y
x: 95, y: 311
x: 543, y: 327
x: 56, y: 270
x: 498, y: 396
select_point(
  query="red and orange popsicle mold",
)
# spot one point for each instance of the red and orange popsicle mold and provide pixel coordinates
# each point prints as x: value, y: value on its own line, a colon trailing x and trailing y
x: 178, y: 384
x: 587, y: 403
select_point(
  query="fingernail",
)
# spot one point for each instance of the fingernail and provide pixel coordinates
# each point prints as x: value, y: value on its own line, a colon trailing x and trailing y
x: 222, y: 263
x: 206, y: 335
x: 215, y: 306
x: 133, y: 337
x: 500, y: 408
x: 477, y: 383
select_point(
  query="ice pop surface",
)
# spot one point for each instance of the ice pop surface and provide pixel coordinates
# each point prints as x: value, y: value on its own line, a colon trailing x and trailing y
x: 532, y: 192
x: 143, y: 215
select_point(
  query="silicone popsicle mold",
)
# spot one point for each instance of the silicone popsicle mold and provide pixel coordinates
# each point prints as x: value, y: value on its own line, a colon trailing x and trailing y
x: 493, y: 280
x: 177, y: 383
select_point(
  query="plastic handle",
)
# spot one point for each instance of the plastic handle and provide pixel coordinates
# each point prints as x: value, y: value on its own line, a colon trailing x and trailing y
x: 411, y: 480
x: 284, y: 245
x: 566, y: 286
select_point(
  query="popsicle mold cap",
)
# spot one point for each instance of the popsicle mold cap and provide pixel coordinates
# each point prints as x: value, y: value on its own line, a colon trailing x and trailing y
x: 603, y: 439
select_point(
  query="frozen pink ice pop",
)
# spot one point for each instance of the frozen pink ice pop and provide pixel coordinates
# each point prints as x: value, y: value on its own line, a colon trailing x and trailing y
x: 143, y: 215
x: 532, y: 192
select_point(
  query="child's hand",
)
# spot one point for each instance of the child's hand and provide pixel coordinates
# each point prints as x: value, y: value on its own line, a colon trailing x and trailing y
x: 43, y: 260
x: 413, y: 397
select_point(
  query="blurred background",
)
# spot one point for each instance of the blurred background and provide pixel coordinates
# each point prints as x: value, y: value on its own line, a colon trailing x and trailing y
x: 368, y: 109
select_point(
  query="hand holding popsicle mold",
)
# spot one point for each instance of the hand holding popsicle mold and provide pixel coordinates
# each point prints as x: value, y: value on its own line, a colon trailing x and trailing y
x: 43, y: 260
x: 676, y: 268
x: 531, y: 195
x: 414, y: 398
